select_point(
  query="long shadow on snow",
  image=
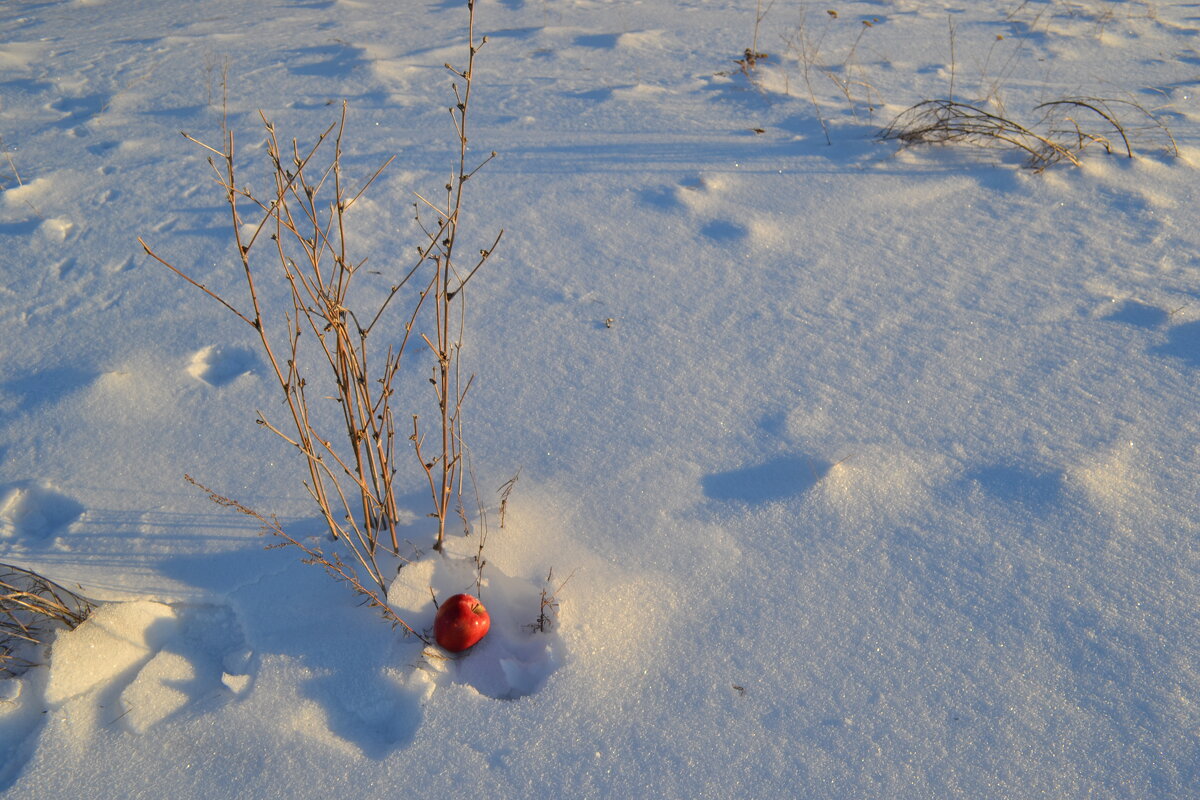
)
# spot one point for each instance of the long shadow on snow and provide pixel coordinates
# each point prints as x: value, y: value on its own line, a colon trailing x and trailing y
x: 35, y: 510
x: 1139, y: 315
x: 21, y: 729
x: 326, y: 61
x: 367, y: 709
x: 292, y: 615
x: 351, y: 662
x: 270, y: 604
x: 49, y: 385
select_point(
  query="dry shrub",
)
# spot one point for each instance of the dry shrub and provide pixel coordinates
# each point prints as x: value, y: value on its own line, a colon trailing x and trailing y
x: 323, y: 344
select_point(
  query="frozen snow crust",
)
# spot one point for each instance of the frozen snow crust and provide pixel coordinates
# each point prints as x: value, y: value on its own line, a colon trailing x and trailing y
x: 874, y: 470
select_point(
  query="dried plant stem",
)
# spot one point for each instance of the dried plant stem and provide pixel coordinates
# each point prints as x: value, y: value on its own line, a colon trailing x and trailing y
x: 444, y: 472
x: 806, y: 42
x: 547, y: 616
x: 760, y: 13
x: 806, y: 52
x: 12, y: 165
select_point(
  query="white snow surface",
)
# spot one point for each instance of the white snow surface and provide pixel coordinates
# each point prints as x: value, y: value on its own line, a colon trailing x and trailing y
x: 873, y: 469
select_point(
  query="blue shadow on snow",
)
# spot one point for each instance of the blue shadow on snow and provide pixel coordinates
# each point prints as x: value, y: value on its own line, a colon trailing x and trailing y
x: 777, y: 479
x: 1138, y: 314
x: 1183, y: 341
x: 1013, y: 484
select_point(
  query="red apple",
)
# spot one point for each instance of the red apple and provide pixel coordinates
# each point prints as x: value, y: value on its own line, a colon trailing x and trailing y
x: 460, y: 623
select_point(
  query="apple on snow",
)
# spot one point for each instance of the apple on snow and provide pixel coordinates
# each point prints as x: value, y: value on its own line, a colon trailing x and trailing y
x: 460, y: 623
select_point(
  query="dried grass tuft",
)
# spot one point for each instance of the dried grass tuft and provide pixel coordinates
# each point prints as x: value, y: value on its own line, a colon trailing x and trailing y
x: 32, y: 608
x: 1064, y: 129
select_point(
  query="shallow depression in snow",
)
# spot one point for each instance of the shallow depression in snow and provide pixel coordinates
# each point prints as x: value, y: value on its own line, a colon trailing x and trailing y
x: 515, y: 658
x: 35, y: 510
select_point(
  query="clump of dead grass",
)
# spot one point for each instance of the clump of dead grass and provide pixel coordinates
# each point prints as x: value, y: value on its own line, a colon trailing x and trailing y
x: 32, y: 608
x: 1061, y: 132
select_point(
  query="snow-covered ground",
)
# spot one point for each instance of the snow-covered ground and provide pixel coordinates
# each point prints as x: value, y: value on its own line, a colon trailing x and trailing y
x: 873, y: 469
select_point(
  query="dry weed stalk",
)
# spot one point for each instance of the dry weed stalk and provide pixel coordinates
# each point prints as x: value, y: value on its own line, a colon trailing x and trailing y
x: 847, y: 82
x: 12, y: 166
x: 749, y: 61
x: 805, y: 47
x: 1056, y: 136
x: 306, y: 233
x: 444, y: 472
x: 504, y: 491
x: 800, y: 44
x: 752, y: 54
x: 320, y: 346
x: 547, y: 616
x: 31, y: 608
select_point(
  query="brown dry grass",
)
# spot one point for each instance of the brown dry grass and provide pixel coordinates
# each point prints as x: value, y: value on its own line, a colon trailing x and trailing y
x: 1064, y: 129
x: 32, y: 608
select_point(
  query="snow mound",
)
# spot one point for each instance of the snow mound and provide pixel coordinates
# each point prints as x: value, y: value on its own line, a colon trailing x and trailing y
x: 135, y: 664
x: 113, y: 641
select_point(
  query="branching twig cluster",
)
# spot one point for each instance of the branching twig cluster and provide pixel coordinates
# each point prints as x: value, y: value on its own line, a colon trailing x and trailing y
x: 749, y: 60
x: 31, y: 608
x: 320, y: 347
x: 751, y: 55
x: 303, y: 234
x: 1065, y: 128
